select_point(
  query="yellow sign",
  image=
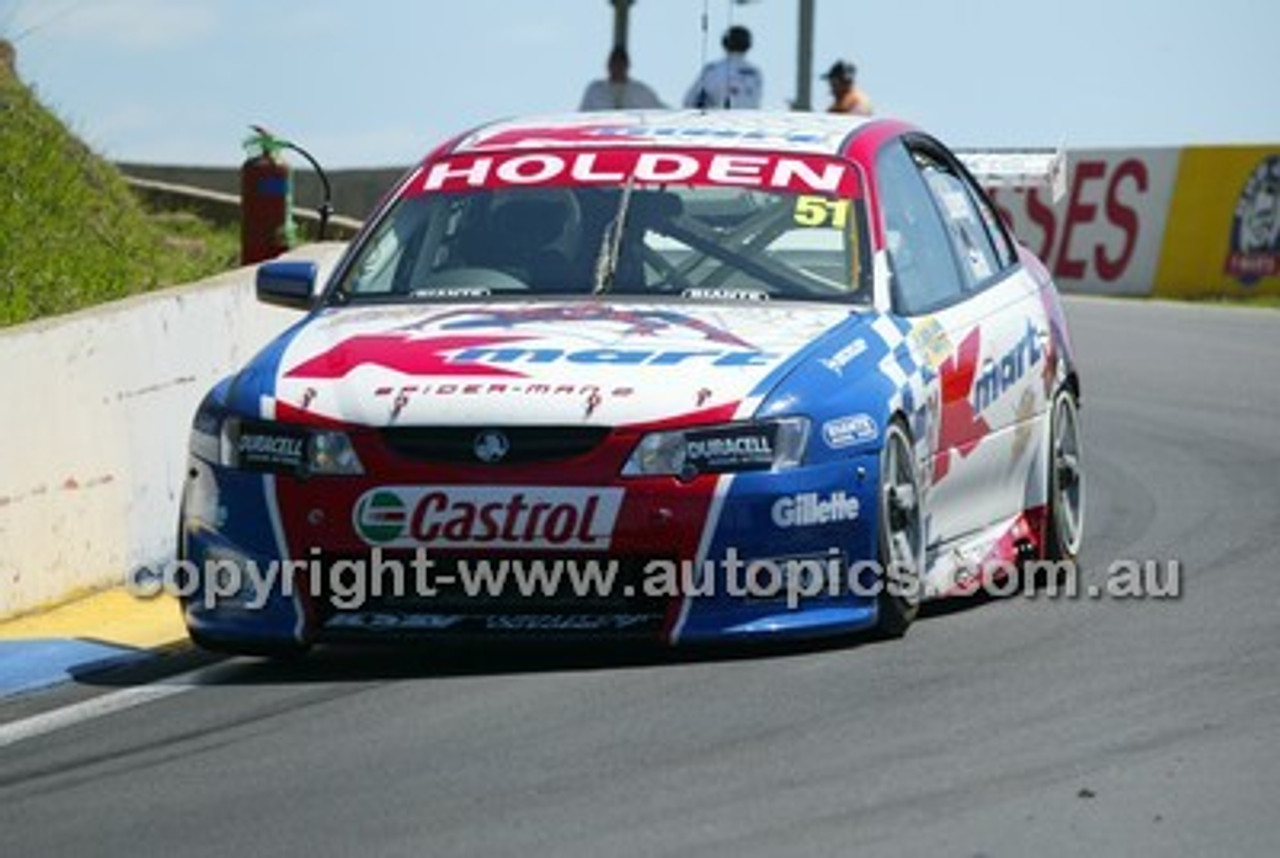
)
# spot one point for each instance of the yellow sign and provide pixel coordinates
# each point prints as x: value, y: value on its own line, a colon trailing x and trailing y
x: 1222, y: 237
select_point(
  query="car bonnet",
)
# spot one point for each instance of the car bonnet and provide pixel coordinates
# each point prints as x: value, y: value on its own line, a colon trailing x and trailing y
x: 552, y: 363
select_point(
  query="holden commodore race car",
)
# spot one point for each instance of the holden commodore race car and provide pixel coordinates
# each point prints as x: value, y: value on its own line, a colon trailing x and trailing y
x: 681, y: 376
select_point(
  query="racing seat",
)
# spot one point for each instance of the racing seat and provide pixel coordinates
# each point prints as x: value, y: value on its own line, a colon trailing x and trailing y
x: 529, y: 236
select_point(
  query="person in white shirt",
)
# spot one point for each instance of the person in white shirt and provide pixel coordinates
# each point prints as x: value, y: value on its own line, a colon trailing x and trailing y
x: 619, y: 91
x: 731, y: 83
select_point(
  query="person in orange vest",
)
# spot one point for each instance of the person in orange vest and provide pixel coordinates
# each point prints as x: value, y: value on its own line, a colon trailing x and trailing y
x: 845, y: 95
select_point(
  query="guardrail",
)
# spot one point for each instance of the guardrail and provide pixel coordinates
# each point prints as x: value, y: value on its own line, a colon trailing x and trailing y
x: 224, y: 209
x: 355, y: 191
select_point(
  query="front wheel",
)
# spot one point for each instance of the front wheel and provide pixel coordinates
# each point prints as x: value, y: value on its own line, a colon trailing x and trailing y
x: 1064, y: 519
x: 901, y: 526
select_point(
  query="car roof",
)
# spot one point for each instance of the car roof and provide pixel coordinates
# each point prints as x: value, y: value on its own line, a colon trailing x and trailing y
x: 777, y: 131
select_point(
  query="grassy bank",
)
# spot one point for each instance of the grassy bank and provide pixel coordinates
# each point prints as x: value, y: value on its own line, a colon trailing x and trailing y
x: 71, y: 232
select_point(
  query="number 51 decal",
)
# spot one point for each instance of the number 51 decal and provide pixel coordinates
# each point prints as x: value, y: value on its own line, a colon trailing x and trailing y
x: 822, y: 211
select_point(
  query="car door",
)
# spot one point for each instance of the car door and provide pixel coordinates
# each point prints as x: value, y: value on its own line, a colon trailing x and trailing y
x: 955, y: 272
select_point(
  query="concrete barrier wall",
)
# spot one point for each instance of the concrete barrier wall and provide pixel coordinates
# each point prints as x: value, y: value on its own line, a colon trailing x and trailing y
x: 97, y: 407
x: 1104, y: 236
x: 1193, y: 222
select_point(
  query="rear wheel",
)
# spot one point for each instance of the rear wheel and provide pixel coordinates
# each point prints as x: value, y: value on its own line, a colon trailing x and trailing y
x: 1064, y: 526
x: 901, y: 527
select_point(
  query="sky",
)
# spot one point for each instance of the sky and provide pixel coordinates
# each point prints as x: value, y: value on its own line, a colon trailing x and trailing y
x: 379, y: 83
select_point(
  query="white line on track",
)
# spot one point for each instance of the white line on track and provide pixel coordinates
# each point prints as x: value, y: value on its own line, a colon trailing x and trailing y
x: 97, y: 707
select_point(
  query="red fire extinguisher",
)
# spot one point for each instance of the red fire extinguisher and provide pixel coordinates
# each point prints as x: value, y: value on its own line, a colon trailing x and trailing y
x: 266, y: 199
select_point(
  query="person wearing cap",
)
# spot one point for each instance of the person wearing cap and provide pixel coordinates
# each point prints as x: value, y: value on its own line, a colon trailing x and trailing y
x: 731, y: 83
x: 619, y: 91
x: 845, y: 95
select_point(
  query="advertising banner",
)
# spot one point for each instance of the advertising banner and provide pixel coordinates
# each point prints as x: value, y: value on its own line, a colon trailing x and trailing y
x: 1223, y: 235
x: 1104, y: 236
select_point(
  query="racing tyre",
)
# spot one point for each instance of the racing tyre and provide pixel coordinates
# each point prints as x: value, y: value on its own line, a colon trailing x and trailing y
x: 1064, y: 518
x: 901, y: 526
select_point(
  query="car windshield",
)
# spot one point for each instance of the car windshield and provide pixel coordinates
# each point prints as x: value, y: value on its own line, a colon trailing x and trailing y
x: 693, y: 241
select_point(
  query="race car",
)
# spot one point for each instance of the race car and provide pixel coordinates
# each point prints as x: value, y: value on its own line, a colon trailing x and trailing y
x: 679, y: 376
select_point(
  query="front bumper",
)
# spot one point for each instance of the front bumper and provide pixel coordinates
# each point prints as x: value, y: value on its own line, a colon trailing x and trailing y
x: 278, y: 560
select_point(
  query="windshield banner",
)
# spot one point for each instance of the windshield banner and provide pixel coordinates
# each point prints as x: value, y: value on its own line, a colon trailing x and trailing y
x: 788, y: 172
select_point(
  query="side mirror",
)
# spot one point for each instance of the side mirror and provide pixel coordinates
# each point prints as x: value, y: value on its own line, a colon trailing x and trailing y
x: 287, y: 284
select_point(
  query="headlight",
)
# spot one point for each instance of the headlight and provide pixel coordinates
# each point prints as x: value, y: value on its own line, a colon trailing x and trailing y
x: 206, y: 436
x: 261, y: 445
x: 330, y: 452
x: 768, y: 445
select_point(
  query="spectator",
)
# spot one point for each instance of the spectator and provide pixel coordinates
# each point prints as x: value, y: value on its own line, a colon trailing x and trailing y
x: 731, y: 83
x: 618, y: 91
x: 845, y: 95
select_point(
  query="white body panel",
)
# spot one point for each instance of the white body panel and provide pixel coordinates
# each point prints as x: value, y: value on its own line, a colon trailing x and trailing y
x: 602, y: 364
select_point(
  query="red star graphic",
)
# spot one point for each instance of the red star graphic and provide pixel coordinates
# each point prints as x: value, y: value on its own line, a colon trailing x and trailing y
x: 1057, y: 324
x: 402, y: 353
x: 961, y: 428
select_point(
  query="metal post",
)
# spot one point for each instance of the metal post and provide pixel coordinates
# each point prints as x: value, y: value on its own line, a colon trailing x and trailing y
x: 804, y: 57
x: 621, y: 15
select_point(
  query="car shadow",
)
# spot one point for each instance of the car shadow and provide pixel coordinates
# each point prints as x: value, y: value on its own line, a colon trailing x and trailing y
x: 442, y: 659
x: 956, y: 605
